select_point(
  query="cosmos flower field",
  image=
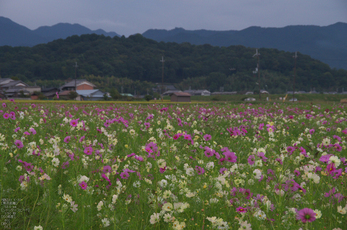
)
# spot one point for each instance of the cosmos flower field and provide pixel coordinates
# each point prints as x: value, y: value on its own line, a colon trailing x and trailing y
x: 160, y: 166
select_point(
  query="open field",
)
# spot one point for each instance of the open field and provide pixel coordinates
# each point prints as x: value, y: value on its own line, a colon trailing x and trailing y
x: 173, y: 166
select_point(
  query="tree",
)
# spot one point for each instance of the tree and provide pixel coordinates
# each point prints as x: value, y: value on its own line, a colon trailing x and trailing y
x: 115, y: 94
x: 148, y: 97
x: 106, y: 98
x: 72, y: 95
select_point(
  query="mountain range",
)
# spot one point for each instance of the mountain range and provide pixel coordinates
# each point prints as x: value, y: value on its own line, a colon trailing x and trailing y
x: 13, y: 34
x: 325, y: 43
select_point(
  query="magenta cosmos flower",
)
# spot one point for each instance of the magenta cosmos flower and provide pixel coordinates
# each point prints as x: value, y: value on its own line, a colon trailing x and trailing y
x: 6, y: 115
x: 73, y: 123
x: 306, y: 215
x: 207, y: 137
x: 33, y: 131
x: 88, y: 151
x: 67, y: 139
x: 241, y: 209
x: 230, y: 156
x: 19, y: 144
x: 83, y: 185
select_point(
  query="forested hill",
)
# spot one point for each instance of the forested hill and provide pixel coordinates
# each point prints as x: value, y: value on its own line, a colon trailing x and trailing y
x: 325, y: 43
x: 138, y: 58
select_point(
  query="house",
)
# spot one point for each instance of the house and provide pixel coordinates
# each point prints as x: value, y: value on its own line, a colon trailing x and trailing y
x: 249, y: 93
x: 126, y: 95
x: 64, y: 95
x: 2, y: 95
x: 224, y: 93
x: 34, y: 96
x: 264, y: 92
x: 199, y: 92
x: 202, y: 92
x: 164, y: 87
x: 91, y: 95
x: 32, y: 89
x: 4, y: 81
x: 80, y: 84
x: 50, y: 93
x: 180, y: 97
x: 13, y: 84
x: 169, y: 92
x: 16, y: 92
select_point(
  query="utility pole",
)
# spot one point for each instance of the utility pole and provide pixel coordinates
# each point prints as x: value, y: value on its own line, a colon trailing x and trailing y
x: 295, y: 56
x: 75, y: 76
x: 162, y: 74
x: 257, y: 70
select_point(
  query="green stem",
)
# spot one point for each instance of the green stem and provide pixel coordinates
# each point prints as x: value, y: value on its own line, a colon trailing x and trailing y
x: 32, y: 211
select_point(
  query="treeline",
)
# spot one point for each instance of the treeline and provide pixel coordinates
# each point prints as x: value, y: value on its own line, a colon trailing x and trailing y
x: 134, y: 62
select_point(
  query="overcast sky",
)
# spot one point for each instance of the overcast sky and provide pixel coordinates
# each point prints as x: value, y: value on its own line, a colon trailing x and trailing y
x: 127, y: 17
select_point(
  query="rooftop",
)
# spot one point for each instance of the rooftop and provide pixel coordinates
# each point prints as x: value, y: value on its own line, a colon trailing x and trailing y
x: 181, y: 94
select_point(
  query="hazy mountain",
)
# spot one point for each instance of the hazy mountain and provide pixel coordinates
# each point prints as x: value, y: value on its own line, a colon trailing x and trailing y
x: 13, y: 34
x: 325, y: 43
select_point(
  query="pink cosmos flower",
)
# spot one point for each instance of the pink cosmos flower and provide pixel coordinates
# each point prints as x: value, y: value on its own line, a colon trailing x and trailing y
x: 199, y: 170
x: 124, y: 175
x: 187, y: 137
x: 207, y: 137
x: 290, y: 150
x: 241, y: 209
x: 208, y: 152
x: 73, y: 123
x: 33, y: 131
x: 83, y: 185
x: 325, y: 158
x: 331, y: 168
x: 262, y: 156
x: 107, y: 169
x: 65, y: 165
x: 67, y: 139
x: 176, y: 136
x: 306, y: 215
x: 230, y: 156
x: 251, y: 160
x: 105, y: 177
x: 88, y: 150
x: 139, y: 158
x: 82, y: 138
x: 338, y: 147
x: 131, y: 155
x: 19, y: 144
x: 6, y: 115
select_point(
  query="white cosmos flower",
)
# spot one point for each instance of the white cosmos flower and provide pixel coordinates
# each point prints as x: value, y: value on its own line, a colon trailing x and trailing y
x: 55, y: 162
x: 335, y: 160
x: 167, y: 207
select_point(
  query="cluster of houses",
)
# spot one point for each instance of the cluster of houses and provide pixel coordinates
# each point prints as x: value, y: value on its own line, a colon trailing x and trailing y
x: 177, y: 95
x: 85, y: 90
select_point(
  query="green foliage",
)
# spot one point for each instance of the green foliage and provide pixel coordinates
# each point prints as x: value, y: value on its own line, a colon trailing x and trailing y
x: 106, y: 98
x: 72, y: 95
x: 115, y: 94
x: 148, y: 97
